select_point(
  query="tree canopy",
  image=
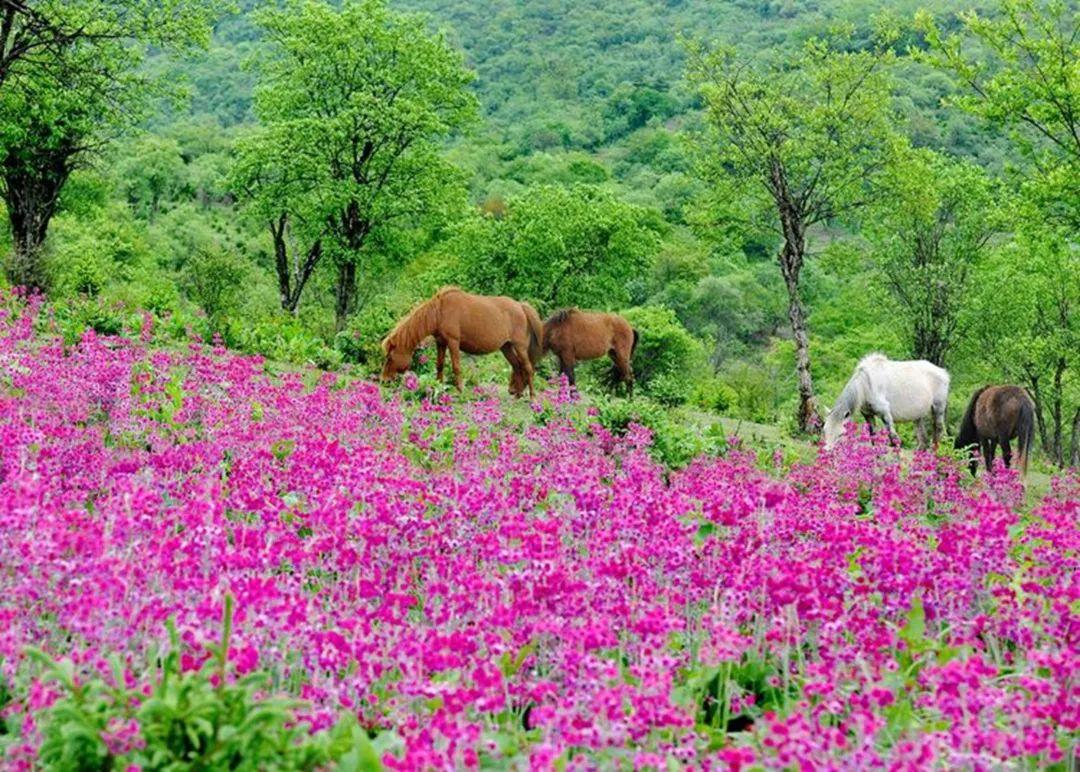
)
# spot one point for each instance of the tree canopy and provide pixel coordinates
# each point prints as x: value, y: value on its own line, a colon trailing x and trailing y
x: 353, y: 102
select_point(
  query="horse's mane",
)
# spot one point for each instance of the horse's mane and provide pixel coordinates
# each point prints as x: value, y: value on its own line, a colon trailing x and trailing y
x: 560, y: 317
x: 872, y: 357
x: 849, y: 397
x: 417, y: 324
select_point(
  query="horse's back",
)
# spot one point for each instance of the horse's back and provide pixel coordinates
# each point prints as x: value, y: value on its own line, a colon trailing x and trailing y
x: 999, y: 409
x: 585, y: 334
x: 482, y: 323
x: 911, y: 387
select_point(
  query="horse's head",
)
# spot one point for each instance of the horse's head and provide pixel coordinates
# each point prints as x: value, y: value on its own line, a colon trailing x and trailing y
x: 835, y: 420
x: 396, y: 362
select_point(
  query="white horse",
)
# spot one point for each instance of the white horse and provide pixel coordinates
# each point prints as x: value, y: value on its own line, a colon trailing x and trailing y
x: 895, y: 391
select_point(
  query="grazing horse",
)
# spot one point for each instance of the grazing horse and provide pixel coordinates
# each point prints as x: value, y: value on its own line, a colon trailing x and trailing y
x: 997, y: 414
x: 575, y: 336
x: 897, y: 391
x: 460, y: 321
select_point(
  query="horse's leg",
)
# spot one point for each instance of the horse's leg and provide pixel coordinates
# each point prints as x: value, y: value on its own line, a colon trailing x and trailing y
x: 455, y: 362
x: 526, y: 367
x: 1006, y: 452
x: 869, y: 423
x: 626, y: 373
x: 939, y: 424
x: 989, y: 451
x: 440, y: 359
x: 883, y: 410
x: 566, y: 367
x: 517, y: 385
x: 920, y: 433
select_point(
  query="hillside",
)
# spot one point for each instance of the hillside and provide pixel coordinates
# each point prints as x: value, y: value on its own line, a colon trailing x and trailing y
x: 587, y: 125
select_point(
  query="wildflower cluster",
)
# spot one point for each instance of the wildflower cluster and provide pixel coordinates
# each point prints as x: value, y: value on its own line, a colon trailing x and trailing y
x: 472, y: 589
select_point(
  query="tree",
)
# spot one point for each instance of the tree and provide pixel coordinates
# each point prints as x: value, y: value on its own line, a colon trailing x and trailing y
x: 930, y: 225
x: 1027, y: 320
x: 560, y: 246
x: 71, y: 81
x: 36, y: 36
x: 275, y: 172
x: 353, y: 102
x: 151, y: 171
x: 1022, y: 74
x: 801, y: 137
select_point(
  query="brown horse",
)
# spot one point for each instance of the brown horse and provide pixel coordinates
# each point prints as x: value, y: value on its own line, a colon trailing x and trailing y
x: 997, y: 414
x: 575, y: 336
x: 459, y: 321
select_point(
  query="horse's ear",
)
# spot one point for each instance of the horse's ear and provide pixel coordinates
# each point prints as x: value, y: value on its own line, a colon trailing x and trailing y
x: 828, y: 410
x: 387, y: 345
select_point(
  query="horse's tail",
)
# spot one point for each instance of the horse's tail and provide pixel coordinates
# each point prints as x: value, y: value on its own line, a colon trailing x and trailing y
x: 967, y: 436
x: 633, y: 346
x: 536, y: 334
x: 1025, y: 431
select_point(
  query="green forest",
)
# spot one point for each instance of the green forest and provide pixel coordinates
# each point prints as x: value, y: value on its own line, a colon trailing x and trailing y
x: 767, y: 189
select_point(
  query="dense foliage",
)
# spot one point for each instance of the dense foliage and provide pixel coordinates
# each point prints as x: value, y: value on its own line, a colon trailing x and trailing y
x: 219, y: 567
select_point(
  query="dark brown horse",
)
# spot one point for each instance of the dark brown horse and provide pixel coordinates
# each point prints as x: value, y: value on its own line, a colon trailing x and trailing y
x: 475, y: 324
x: 997, y: 414
x: 575, y: 336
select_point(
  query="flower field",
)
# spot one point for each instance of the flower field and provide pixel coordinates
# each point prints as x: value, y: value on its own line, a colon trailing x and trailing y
x: 198, y: 558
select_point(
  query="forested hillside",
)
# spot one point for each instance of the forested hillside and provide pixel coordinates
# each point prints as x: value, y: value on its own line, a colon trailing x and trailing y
x: 592, y: 163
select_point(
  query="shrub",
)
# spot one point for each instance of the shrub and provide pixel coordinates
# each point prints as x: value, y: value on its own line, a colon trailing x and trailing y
x: 86, y: 255
x: 361, y: 342
x: 213, y: 278
x: 283, y: 338
x: 673, y: 444
x: 714, y: 395
x: 668, y: 359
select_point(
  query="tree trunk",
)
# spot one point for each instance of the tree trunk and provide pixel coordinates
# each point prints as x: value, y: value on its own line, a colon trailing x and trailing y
x: 354, y: 230
x: 1040, y: 416
x: 791, y: 259
x: 806, y: 417
x: 281, y: 262
x: 291, y: 278
x: 28, y: 229
x: 1058, y: 453
x: 930, y: 343
x: 1074, y: 454
x: 345, y: 302
x: 31, y: 188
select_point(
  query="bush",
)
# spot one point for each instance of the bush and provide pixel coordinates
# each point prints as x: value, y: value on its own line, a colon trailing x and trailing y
x: 213, y: 279
x: 75, y: 315
x: 86, y: 255
x: 283, y: 338
x: 668, y: 359
x: 714, y: 395
x: 760, y: 391
x: 361, y: 342
x: 669, y: 389
x: 673, y: 443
